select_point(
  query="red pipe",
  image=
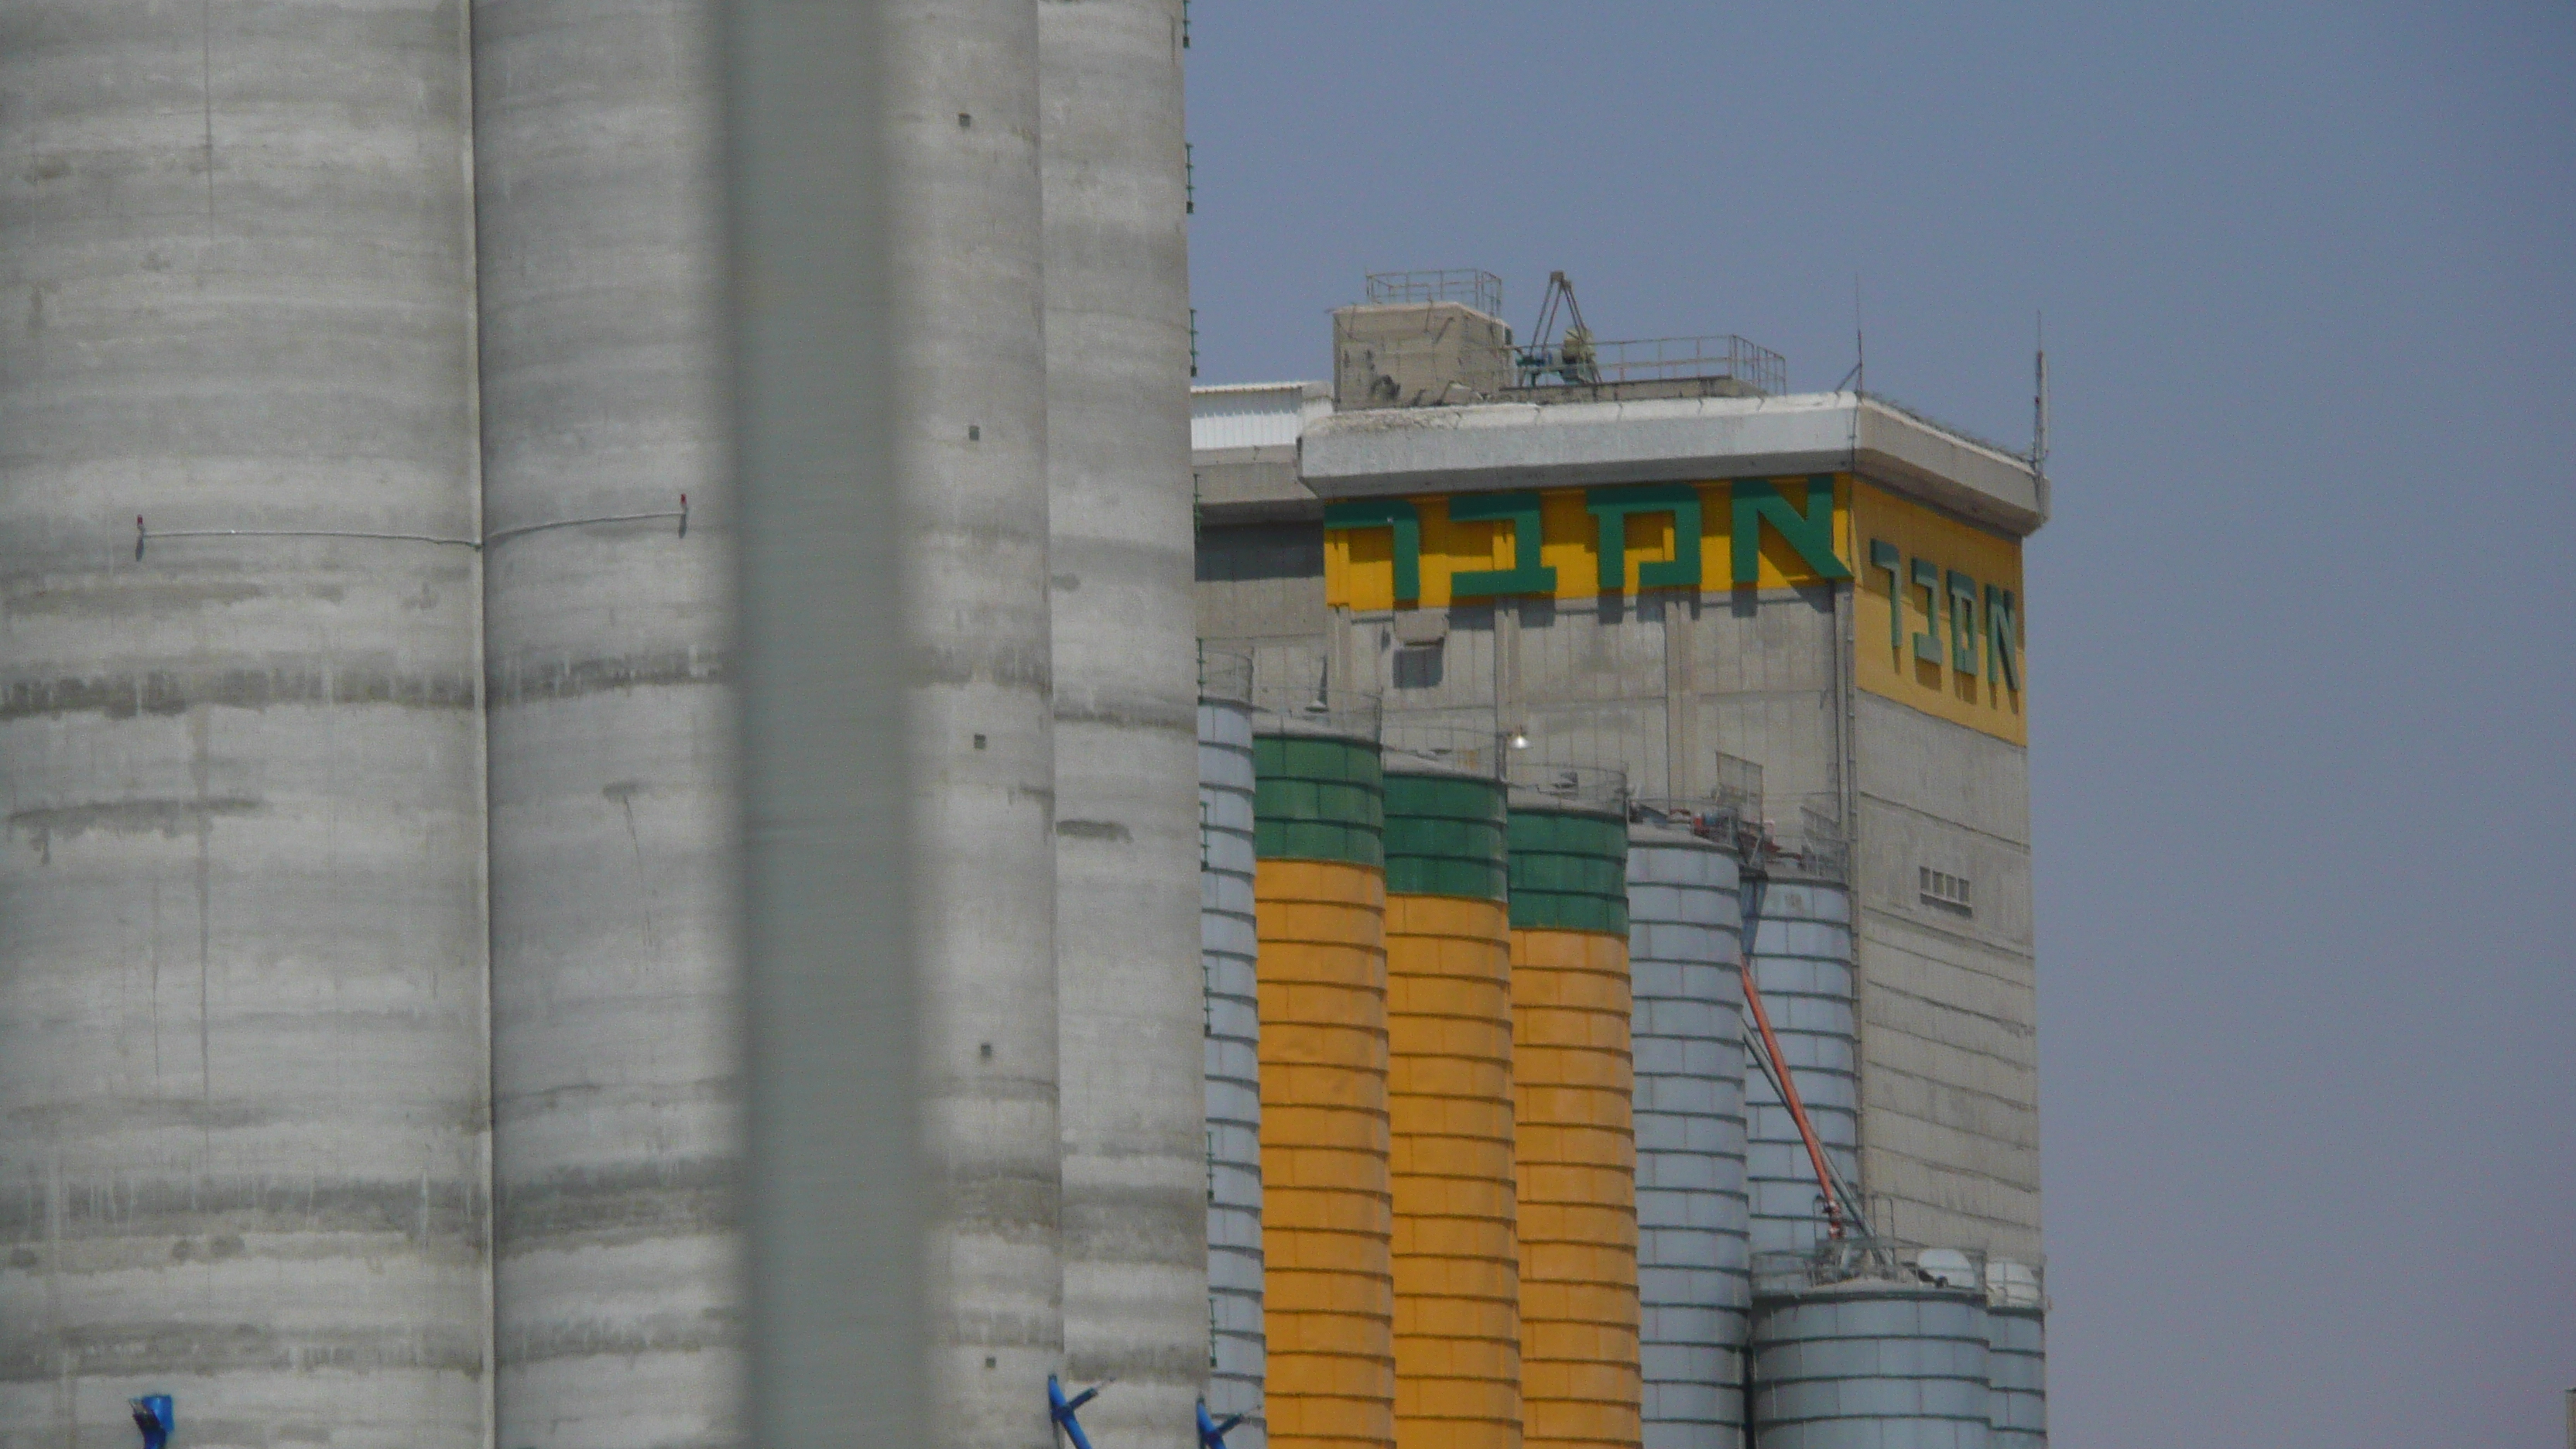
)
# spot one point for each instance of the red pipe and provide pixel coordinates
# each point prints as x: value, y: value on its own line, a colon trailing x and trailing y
x: 1789, y: 1094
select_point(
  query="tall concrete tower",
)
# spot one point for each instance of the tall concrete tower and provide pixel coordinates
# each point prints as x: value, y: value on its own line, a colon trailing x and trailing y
x: 961, y: 79
x: 242, y: 950
x: 1126, y: 692
x: 617, y: 1308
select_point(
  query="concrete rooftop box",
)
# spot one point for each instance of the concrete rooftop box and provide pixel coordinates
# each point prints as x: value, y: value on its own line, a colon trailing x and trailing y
x: 1418, y: 354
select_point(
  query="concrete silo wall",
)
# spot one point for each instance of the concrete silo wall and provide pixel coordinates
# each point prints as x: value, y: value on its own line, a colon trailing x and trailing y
x: 242, y: 957
x: 616, y: 1089
x: 961, y: 85
x: 1120, y: 517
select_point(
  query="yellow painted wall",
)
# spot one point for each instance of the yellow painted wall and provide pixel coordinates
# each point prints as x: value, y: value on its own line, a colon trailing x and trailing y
x: 1456, y: 1253
x: 1329, y: 1295
x: 1359, y: 563
x: 1577, y: 1156
x: 1969, y: 697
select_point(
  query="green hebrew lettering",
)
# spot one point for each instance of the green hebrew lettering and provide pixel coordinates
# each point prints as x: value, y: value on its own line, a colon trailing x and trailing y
x: 1927, y: 577
x: 1884, y: 557
x: 1526, y: 575
x: 2003, y: 639
x: 1963, y: 624
x: 1756, y: 501
x: 1611, y: 509
x: 1395, y: 513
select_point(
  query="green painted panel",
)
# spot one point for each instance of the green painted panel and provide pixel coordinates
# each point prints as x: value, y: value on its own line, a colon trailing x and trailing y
x: 1963, y: 623
x: 1756, y: 501
x: 1927, y: 577
x: 1569, y: 871
x: 1526, y: 575
x: 1884, y: 557
x: 1611, y: 509
x: 1317, y: 797
x: 1445, y: 837
x: 1397, y: 514
x: 2003, y: 639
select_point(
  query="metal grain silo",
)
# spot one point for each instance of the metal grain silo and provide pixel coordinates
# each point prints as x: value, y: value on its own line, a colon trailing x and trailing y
x: 967, y: 259
x: 1121, y: 519
x: 1694, y: 1291
x: 1870, y: 1363
x: 617, y: 1308
x: 2017, y: 1361
x: 1449, y: 1099
x: 1801, y: 954
x: 1229, y: 949
x: 1576, y: 1154
x: 1320, y: 888
x: 243, y: 1034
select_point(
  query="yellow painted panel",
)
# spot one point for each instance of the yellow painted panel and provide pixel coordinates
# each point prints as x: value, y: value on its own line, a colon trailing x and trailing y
x: 1577, y: 1190
x: 1329, y: 1300
x: 1456, y: 1255
x: 1975, y: 697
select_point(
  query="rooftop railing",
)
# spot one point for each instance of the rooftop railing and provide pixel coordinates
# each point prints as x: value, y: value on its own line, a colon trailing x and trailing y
x: 1585, y: 363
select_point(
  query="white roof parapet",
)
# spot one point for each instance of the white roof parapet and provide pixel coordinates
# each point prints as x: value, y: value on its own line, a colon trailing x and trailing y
x: 1255, y: 414
x: 1567, y: 445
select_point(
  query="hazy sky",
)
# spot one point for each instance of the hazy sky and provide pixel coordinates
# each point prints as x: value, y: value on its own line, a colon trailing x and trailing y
x: 2300, y: 633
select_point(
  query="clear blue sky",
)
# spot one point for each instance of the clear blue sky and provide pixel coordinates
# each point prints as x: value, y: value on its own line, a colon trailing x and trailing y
x: 2300, y: 632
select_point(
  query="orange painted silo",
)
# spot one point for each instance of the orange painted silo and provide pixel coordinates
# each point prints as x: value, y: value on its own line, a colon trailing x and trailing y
x: 1574, y: 1128
x: 1449, y: 1093
x: 1320, y: 898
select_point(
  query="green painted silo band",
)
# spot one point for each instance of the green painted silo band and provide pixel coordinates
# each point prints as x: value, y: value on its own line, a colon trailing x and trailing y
x: 1317, y: 797
x: 1444, y: 837
x: 1569, y: 872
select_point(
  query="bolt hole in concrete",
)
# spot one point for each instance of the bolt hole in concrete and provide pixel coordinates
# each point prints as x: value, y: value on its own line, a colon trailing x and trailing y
x: 979, y: 742
x: 974, y: 433
x: 985, y: 1051
x: 964, y: 120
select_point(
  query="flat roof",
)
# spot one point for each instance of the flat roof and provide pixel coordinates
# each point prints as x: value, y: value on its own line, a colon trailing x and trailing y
x: 1382, y: 451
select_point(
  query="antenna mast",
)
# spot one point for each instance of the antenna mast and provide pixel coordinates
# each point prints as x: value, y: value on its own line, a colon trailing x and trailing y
x: 2039, y: 398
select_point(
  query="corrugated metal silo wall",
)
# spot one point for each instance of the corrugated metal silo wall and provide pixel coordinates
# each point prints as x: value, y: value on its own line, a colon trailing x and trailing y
x: 1449, y: 1099
x: 1229, y: 952
x: 616, y: 1131
x: 2017, y: 1369
x: 1328, y: 1289
x: 1802, y: 962
x: 1870, y: 1366
x: 1694, y: 1291
x: 242, y: 957
x: 1120, y: 558
x: 1573, y: 1088
x: 967, y: 264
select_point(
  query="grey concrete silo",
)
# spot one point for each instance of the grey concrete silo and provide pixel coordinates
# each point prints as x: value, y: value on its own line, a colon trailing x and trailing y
x: 617, y: 1310
x: 961, y: 86
x: 1801, y: 953
x: 1693, y: 1283
x: 1119, y: 499
x: 1229, y: 950
x: 242, y: 957
x: 1870, y: 1365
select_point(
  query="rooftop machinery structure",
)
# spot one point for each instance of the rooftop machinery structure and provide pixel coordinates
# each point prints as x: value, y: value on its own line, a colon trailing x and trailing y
x: 367, y: 1066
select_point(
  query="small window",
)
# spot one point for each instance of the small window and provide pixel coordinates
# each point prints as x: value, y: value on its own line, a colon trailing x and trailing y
x: 1950, y: 892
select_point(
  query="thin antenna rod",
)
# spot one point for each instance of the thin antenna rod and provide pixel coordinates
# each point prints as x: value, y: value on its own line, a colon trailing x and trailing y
x: 1860, y: 342
x: 2039, y: 395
